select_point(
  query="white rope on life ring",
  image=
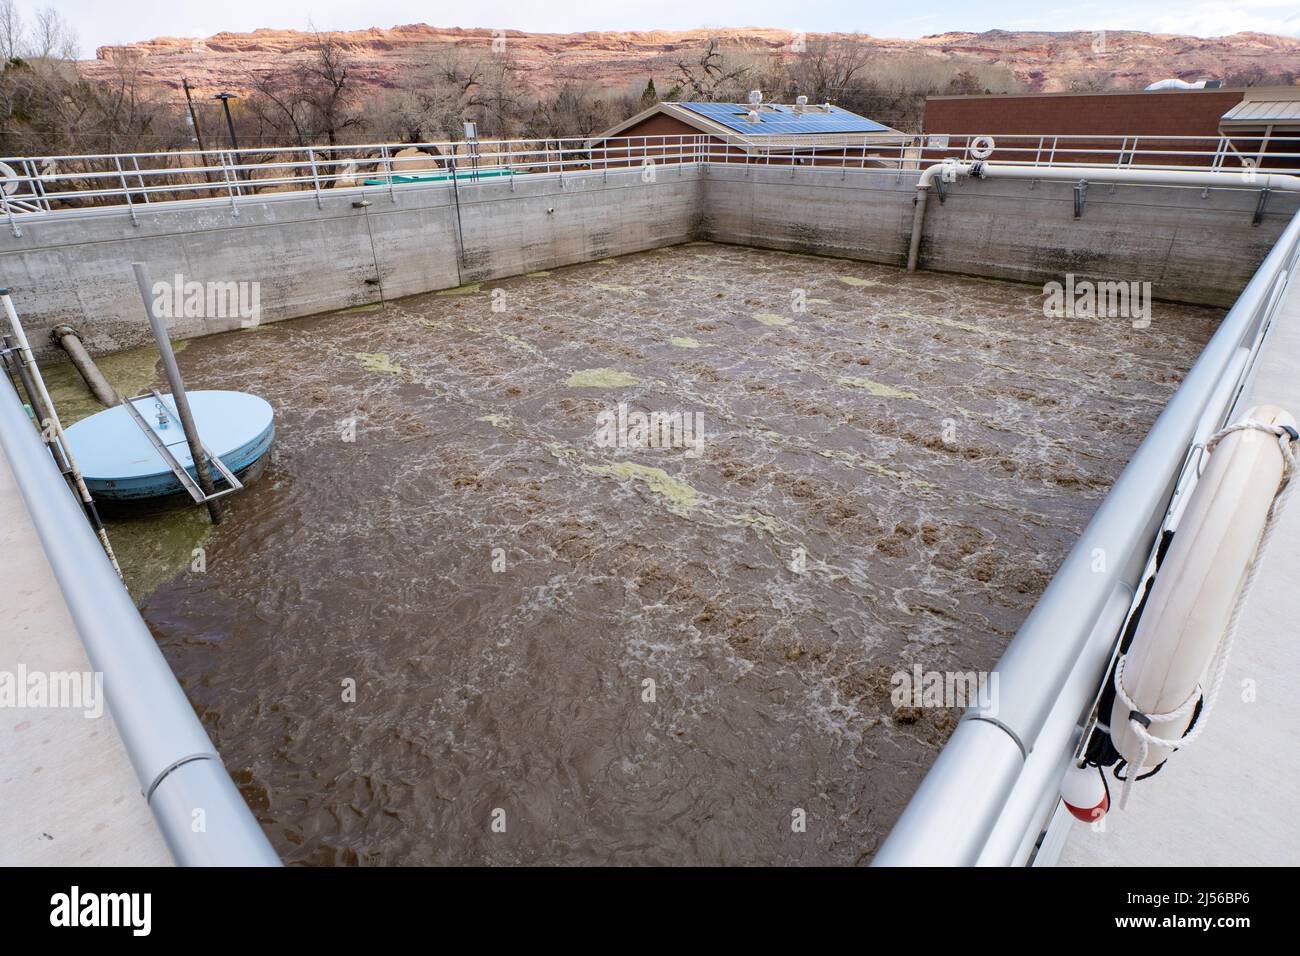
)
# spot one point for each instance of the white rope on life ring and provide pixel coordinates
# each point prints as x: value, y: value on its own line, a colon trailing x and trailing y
x: 981, y: 147
x: 1138, y: 721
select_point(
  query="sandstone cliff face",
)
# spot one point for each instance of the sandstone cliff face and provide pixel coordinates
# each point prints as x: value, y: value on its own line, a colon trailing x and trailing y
x: 1042, y: 61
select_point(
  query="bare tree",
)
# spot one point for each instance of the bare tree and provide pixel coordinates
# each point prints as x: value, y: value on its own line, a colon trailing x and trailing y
x: 575, y: 109
x: 454, y: 85
x: 712, y: 73
x: 330, y: 95
x: 12, y: 31
x: 1256, y: 75
x: 52, y: 37
x: 828, y: 69
x: 310, y: 102
x: 433, y: 103
x: 501, y: 98
x: 1089, y: 81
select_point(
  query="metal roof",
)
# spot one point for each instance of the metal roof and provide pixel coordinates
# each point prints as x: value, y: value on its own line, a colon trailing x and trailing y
x: 776, y: 119
x: 1264, y: 111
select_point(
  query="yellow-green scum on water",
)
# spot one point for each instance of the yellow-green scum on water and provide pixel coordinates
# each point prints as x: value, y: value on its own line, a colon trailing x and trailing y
x: 680, y: 496
x: 601, y: 378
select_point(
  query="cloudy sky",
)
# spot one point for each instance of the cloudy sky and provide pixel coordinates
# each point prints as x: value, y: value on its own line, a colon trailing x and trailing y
x: 99, y: 22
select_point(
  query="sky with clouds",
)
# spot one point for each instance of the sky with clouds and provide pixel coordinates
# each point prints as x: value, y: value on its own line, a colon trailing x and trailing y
x: 99, y: 22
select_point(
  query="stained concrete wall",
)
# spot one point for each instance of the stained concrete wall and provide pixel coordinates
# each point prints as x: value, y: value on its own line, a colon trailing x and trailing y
x: 853, y: 214
x: 311, y: 257
x: 1193, y: 245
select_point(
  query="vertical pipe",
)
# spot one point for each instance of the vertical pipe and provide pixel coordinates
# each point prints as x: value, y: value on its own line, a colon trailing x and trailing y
x: 460, y: 231
x: 918, y: 225
x: 182, y: 401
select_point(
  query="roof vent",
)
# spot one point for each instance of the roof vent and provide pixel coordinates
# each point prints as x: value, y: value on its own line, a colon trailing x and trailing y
x: 800, y: 103
x: 753, y: 117
x: 1176, y: 84
x: 755, y: 97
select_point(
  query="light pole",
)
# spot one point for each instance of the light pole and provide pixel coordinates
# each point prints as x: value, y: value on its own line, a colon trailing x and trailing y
x: 230, y: 124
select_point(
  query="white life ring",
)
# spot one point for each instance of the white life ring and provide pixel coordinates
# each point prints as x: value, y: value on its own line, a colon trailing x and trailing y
x: 981, y: 147
x: 1165, y: 669
x: 8, y: 179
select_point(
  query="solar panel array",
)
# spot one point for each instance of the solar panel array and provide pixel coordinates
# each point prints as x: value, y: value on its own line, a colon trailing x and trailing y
x: 781, y: 120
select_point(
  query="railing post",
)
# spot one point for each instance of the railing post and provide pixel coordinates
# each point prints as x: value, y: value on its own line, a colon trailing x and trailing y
x: 226, y: 169
x: 9, y: 214
x: 388, y: 171
x: 144, y: 190
x: 315, y: 179
x: 38, y: 186
x: 126, y: 192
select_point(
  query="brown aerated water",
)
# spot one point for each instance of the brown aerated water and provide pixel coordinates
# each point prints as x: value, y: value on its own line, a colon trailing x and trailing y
x: 447, y: 610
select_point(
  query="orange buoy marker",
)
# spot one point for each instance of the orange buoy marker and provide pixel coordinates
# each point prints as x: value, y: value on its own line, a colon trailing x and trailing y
x: 1084, y: 792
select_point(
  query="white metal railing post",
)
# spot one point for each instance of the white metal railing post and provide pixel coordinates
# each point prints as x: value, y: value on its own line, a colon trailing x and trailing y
x: 38, y: 185
x: 315, y: 179
x: 389, y: 172
x: 125, y: 191
x: 135, y: 161
x: 9, y: 214
x: 226, y: 169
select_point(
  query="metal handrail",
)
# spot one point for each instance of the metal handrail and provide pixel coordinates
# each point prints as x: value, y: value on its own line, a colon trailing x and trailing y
x: 45, y: 184
x: 988, y: 795
x: 199, y: 811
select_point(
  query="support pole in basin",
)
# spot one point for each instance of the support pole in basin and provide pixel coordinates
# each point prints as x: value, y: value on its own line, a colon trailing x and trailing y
x: 173, y: 372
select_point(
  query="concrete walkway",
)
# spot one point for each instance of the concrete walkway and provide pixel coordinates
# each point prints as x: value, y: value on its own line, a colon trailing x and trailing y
x: 1230, y: 799
x: 68, y: 794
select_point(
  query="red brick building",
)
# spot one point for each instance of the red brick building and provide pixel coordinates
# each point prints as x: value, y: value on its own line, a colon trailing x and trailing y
x: 1116, y: 115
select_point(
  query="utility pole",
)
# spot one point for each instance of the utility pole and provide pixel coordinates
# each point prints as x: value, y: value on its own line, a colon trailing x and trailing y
x: 194, y: 117
x: 194, y: 121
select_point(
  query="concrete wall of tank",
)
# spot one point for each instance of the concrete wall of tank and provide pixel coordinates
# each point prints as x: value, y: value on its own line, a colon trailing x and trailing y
x: 1193, y: 245
x: 75, y: 268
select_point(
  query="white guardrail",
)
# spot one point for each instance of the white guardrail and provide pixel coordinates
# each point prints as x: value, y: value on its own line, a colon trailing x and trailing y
x: 31, y: 185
